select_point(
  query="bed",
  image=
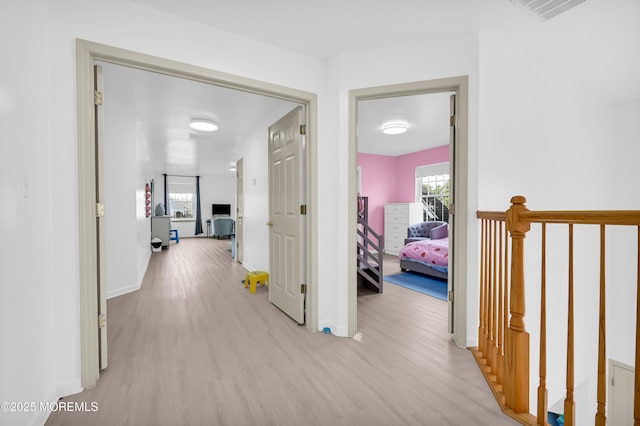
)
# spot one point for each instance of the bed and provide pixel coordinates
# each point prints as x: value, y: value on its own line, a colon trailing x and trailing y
x: 427, y: 256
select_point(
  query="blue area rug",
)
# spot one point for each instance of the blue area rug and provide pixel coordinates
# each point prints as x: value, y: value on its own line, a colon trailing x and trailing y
x: 430, y: 286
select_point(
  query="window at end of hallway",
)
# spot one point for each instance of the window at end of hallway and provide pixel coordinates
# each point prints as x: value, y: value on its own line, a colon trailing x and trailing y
x: 182, y: 197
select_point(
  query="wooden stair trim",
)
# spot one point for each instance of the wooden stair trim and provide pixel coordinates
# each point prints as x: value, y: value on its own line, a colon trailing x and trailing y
x: 496, y: 389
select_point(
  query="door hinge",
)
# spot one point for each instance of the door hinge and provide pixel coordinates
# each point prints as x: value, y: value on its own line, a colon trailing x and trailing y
x: 97, y: 97
x: 613, y: 383
x: 452, y: 121
x: 303, y: 289
x: 99, y: 210
x: 303, y: 129
x: 303, y: 209
x: 452, y: 208
x: 451, y: 296
x: 102, y: 321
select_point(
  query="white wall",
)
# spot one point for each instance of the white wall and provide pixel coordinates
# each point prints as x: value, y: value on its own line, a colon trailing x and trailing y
x: 28, y: 314
x: 253, y: 148
x: 127, y: 169
x: 217, y: 189
x: 143, y: 176
x: 438, y: 58
x: 622, y: 247
x: 546, y: 137
x: 120, y: 183
x: 44, y: 300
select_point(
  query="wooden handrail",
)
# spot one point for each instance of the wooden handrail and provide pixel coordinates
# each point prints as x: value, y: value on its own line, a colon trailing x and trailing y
x: 503, y: 340
x: 585, y: 217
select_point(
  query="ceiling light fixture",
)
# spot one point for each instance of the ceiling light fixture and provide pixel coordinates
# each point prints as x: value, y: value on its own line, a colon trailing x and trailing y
x: 395, y: 128
x: 203, y: 125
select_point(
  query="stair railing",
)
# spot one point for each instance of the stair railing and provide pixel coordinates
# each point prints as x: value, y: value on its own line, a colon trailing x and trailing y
x: 370, y: 255
x: 503, y: 341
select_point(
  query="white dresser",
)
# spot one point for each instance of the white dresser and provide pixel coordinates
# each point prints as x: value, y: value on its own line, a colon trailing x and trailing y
x: 397, y: 218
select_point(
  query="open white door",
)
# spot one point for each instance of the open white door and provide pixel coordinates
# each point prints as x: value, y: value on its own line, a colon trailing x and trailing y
x: 621, y: 393
x: 452, y: 216
x: 287, y: 215
x: 239, y: 209
x: 101, y: 249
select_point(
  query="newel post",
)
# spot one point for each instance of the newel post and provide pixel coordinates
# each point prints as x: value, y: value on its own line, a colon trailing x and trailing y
x: 517, y: 339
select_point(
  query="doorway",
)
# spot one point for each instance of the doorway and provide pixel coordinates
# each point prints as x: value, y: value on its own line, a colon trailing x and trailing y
x: 87, y: 54
x: 459, y: 160
x: 403, y: 154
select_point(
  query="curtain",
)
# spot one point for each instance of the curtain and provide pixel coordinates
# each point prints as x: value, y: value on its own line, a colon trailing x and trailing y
x: 166, y: 196
x: 198, y: 210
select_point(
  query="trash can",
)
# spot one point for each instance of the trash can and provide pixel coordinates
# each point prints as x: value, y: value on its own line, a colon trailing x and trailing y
x: 156, y: 245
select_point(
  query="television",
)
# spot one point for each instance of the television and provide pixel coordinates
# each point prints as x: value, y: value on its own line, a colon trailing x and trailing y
x: 221, y: 209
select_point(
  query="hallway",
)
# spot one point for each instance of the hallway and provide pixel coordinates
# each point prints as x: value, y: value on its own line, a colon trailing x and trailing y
x: 193, y: 347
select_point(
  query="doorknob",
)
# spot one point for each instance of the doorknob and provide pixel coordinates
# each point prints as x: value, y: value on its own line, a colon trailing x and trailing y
x: 269, y: 224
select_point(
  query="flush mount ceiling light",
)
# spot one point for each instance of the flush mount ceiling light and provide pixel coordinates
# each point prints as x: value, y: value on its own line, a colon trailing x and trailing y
x: 394, y: 128
x: 203, y: 125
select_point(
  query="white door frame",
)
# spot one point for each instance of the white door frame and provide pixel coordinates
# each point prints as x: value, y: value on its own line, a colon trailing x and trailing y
x: 86, y: 54
x: 459, y: 85
x: 239, y: 210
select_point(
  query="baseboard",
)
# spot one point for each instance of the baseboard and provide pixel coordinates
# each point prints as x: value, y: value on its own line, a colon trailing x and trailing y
x: 340, y: 331
x: 65, y: 389
x: 123, y: 290
x: 337, y: 331
x: 69, y: 388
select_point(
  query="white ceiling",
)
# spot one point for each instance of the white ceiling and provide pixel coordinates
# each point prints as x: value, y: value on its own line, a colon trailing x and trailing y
x: 427, y: 117
x: 163, y: 107
x: 325, y: 28
x: 598, y: 42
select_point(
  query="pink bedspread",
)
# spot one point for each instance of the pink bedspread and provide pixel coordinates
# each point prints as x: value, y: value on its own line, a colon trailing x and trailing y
x: 434, y: 252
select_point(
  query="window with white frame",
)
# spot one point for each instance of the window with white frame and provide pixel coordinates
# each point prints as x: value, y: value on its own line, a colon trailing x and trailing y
x: 182, y: 201
x: 433, y: 186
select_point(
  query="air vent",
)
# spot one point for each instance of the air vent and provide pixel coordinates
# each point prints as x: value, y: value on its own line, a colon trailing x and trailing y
x: 547, y: 9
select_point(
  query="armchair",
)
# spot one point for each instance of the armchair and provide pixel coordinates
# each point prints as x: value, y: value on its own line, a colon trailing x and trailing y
x: 222, y: 226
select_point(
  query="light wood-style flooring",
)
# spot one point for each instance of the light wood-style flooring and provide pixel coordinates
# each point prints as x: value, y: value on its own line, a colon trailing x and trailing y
x: 193, y: 347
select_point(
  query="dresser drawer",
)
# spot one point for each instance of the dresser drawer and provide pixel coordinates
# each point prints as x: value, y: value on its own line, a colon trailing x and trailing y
x: 393, y: 248
x: 402, y: 209
x: 394, y: 237
x: 397, y: 218
x: 397, y: 227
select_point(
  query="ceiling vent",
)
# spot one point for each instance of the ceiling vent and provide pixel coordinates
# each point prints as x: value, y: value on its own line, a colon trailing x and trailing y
x: 547, y: 9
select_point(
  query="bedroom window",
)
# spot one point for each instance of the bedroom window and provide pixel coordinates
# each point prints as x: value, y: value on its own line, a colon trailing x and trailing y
x: 182, y: 201
x: 435, y: 197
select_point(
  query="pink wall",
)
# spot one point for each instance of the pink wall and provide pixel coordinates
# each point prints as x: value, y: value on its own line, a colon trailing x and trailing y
x: 379, y: 184
x: 406, y: 166
x: 387, y: 179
